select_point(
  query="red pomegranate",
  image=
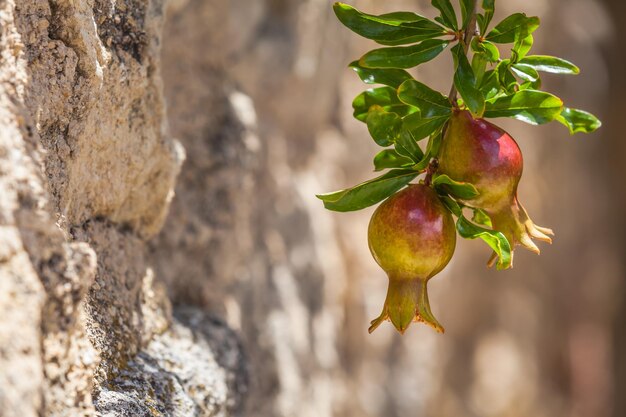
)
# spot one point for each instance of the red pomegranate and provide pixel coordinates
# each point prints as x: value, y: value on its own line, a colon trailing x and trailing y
x: 412, y: 237
x: 479, y: 152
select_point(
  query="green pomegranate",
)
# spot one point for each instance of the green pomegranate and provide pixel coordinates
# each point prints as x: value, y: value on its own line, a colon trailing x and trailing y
x: 412, y: 237
x: 479, y: 152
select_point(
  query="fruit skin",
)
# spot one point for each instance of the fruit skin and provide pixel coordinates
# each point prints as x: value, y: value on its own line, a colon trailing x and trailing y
x: 479, y: 152
x: 412, y: 237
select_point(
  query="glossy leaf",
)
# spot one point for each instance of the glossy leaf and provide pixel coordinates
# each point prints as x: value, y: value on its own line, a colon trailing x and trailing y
x: 505, y: 78
x: 390, y: 158
x: 458, y: 189
x: 388, y: 76
x: 578, y: 120
x: 467, y: 7
x: 479, y: 65
x: 496, y: 240
x: 525, y: 72
x: 398, y: 28
x: 384, y: 97
x: 487, y: 48
x: 384, y: 127
x: 430, y: 102
x: 484, y: 19
x: 515, y: 26
x: 369, y: 192
x: 452, y: 205
x: 465, y: 82
x: 407, y: 146
x: 434, y: 142
x: 448, y: 16
x: 490, y: 86
x: 403, y: 57
x: 530, y: 106
x: 481, y: 217
x: 522, y: 46
x: 551, y: 64
x: 421, y: 127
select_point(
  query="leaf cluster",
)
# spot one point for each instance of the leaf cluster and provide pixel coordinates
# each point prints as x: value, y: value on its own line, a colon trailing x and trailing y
x: 408, y: 118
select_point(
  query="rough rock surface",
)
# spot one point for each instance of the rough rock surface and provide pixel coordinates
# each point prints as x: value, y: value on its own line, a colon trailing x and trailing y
x: 87, y: 169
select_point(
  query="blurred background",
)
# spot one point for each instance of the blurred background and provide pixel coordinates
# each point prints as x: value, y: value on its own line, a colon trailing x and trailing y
x: 259, y: 93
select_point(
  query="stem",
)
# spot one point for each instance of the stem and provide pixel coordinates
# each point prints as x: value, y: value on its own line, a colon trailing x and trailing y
x: 432, y: 168
x: 470, y: 31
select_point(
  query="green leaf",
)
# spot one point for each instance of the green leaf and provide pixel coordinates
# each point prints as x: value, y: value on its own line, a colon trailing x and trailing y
x: 403, y: 57
x: 485, y: 18
x: 407, y: 146
x: 368, y: 193
x: 551, y: 64
x: 390, y: 158
x: 490, y: 86
x: 522, y: 46
x: 465, y: 82
x: 467, y: 7
x: 452, y: 205
x: 496, y: 240
x: 434, y: 143
x: 525, y: 72
x: 430, y: 102
x: 398, y: 28
x: 384, y: 127
x: 384, y: 97
x: 388, y: 76
x: 489, y: 49
x: 517, y: 25
x: 578, y: 120
x: 448, y: 16
x: 479, y: 65
x: 505, y: 77
x: 481, y: 217
x: 459, y: 189
x: 530, y: 106
x: 421, y: 127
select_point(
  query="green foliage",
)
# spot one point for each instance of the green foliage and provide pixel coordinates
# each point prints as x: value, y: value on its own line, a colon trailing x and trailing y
x: 390, y: 158
x: 465, y: 82
x: 445, y: 184
x: 398, y: 28
x: 402, y: 112
x: 390, y: 76
x: 368, y: 193
x: 578, y: 120
x: 496, y: 240
x: 550, y: 64
x: 403, y: 56
x: 530, y: 106
x: 384, y: 127
x: 481, y: 217
x: 384, y: 97
x: 430, y: 102
x: 447, y: 15
x: 407, y: 146
x: 517, y: 26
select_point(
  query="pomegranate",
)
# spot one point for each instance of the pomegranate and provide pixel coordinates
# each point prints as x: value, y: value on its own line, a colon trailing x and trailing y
x: 479, y: 152
x: 412, y: 237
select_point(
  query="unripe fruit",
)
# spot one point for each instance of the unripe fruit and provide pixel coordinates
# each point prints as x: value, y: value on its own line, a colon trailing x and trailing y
x: 412, y: 237
x: 479, y: 152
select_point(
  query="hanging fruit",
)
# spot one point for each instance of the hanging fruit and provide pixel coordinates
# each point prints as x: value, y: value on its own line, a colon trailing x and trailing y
x: 466, y: 162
